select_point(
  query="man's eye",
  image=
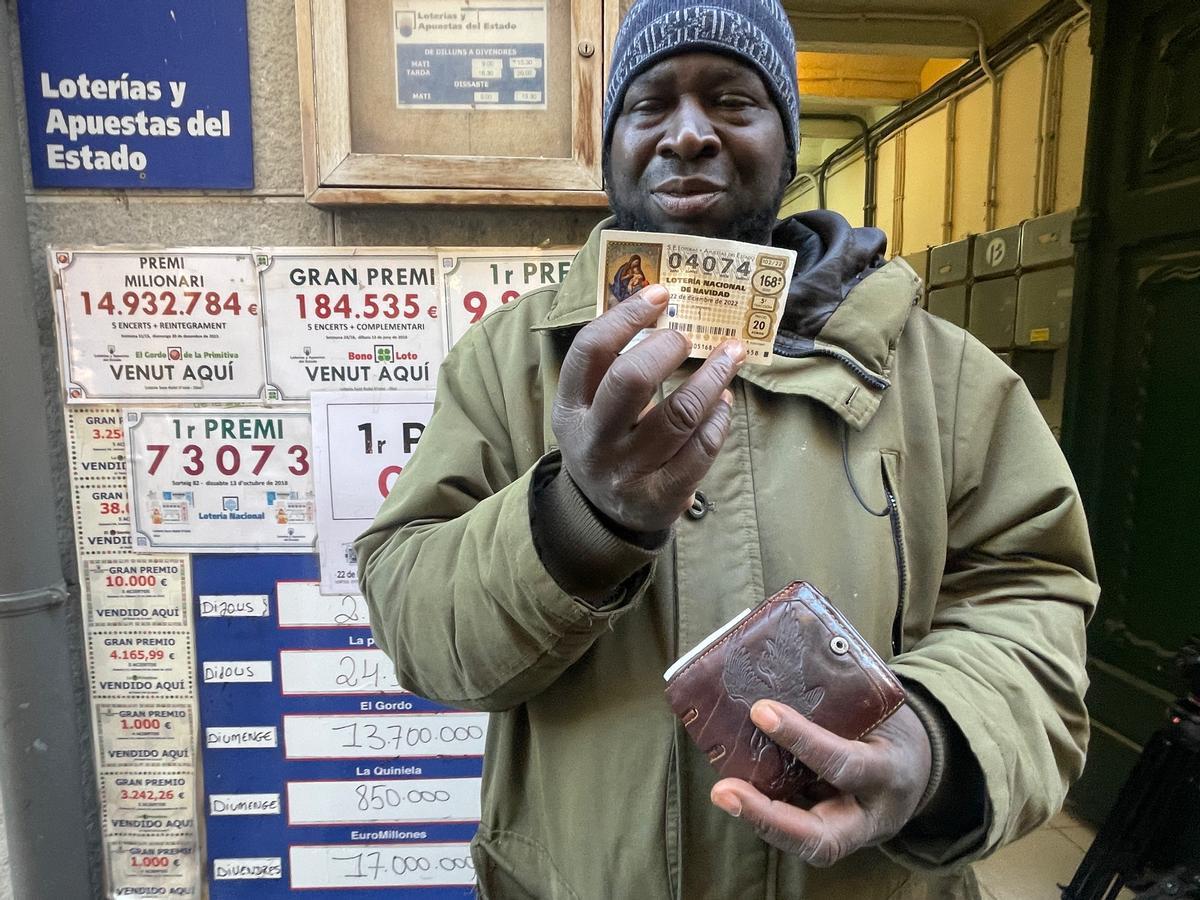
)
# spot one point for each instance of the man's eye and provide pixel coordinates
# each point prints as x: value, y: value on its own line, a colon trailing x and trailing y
x: 734, y: 101
x: 646, y: 105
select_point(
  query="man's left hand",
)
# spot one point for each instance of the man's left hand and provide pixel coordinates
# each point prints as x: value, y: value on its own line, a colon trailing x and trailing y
x: 879, y: 781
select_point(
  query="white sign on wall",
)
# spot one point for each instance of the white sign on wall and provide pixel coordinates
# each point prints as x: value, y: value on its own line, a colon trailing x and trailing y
x: 361, y: 444
x: 220, y: 480
x: 351, y: 320
x: 476, y: 283
x: 158, y: 325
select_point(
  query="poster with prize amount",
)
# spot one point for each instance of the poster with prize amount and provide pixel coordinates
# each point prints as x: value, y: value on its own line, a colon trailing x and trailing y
x: 211, y: 480
x: 354, y: 319
x: 158, y: 325
x: 361, y: 444
x: 476, y: 283
x: 312, y: 767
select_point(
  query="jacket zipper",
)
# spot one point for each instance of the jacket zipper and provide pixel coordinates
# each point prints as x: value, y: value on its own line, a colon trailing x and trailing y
x: 901, y: 566
x: 875, y: 381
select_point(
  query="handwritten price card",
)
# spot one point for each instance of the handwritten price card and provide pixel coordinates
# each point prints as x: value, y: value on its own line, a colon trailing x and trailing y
x: 416, y: 864
x: 158, y: 325
x: 354, y: 320
x: 208, y: 480
x: 361, y: 443
x: 476, y: 283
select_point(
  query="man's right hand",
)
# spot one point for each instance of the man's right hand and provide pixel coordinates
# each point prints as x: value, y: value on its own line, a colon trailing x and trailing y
x: 640, y: 464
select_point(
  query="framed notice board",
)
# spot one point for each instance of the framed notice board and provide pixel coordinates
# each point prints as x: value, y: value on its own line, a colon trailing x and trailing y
x: 452, y: 101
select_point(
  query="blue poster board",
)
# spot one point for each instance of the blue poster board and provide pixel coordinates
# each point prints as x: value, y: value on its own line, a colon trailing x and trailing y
x: 137, y: 94
x: 320, y: 773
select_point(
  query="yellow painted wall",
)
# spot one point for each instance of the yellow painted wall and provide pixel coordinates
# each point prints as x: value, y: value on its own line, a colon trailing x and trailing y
x: 913, y: 213
x: 935, y: 70
x: 798, y: 199
x: 973, y: 128
x: 1017, y: 163
x: 925, y: 153
x: 849, y: 75
x: 885, y: 190
x: 1072, y: 126
x: 845, y: 189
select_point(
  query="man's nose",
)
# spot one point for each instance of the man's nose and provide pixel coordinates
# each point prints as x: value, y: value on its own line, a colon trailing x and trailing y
x: 689, y: 132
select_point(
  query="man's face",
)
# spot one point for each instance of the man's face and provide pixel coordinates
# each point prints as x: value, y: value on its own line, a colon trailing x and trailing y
x: 698, y: 148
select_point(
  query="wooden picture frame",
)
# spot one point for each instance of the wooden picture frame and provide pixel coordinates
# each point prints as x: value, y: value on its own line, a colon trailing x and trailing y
x: 336, y: 174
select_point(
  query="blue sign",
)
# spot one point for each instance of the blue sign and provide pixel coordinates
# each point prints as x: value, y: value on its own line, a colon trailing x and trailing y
x: 137, y: 94
x: 320, y: 772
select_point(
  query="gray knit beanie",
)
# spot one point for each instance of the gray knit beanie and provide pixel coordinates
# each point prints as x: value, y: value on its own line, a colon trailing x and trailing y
x: 756, y: 32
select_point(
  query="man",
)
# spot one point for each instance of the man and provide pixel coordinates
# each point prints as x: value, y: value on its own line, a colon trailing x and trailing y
x: 575, y: 519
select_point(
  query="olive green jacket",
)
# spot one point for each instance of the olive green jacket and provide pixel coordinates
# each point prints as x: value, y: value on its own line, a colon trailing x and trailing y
x: 900, y: 467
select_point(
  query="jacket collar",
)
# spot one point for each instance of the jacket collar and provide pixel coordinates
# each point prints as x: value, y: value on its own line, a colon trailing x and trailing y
x: 575, y: 303
x: 845, y: 359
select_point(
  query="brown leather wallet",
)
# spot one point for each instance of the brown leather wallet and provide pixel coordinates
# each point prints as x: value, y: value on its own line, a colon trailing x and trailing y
x: 795, y: 647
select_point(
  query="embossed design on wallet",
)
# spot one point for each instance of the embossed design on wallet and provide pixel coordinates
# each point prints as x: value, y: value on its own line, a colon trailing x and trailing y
x: 775, y: 673
x: 796, y: 648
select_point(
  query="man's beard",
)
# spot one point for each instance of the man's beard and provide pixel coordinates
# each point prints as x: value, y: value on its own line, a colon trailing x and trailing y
x: 753, y: 227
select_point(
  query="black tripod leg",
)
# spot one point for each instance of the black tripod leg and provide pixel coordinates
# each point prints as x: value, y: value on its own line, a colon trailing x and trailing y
x: 1130, y: 829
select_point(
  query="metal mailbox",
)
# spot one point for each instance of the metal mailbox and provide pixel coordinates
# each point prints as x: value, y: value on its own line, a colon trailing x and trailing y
x: 993, y: 312
x: 997, y: 252
x: 950, y: 263
x: 1047, y: 240
x: 950, y: 304
x: 1044, y: 308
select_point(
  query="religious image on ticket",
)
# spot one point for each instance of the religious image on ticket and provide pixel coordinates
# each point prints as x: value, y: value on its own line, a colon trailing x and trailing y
x: 720, y: 290
x: 628, y: 267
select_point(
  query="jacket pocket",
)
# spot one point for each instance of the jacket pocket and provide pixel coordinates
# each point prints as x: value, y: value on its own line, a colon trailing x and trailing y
x: 671, y: 815
x: 510, y: 866
x: 889, y: 463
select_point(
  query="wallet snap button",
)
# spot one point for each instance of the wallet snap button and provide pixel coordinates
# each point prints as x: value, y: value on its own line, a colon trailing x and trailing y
x: 840, y: 646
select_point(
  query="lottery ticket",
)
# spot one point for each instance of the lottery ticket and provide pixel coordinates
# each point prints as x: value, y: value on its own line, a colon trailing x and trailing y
x: 720, y: 290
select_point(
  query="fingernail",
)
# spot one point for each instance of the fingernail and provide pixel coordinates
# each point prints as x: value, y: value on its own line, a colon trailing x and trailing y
x: 727, y: 397
x: 728, y: 802
x: 765, y: 717
x: 736, y: 351
x: 656, y: 294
